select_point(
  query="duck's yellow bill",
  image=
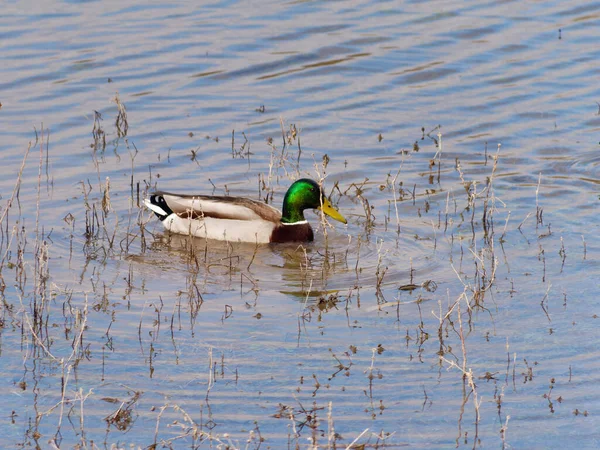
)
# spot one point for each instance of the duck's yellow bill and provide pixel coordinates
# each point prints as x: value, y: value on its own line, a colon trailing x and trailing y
x: 328, y: 209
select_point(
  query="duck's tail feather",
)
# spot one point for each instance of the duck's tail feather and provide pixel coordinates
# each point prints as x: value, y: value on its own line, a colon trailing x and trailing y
x: 157, y: 204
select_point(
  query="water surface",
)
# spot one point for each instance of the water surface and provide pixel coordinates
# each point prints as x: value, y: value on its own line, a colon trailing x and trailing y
x: 430, y: 114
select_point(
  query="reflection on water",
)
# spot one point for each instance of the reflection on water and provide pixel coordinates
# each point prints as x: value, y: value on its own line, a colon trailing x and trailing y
x: 459, y: 139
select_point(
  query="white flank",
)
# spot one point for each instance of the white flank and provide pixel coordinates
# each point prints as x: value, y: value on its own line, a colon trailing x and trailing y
x: 156, y: 209
x: 252, y: 231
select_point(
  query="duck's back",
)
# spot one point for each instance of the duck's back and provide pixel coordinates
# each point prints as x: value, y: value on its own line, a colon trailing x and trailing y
x: 220, y: 207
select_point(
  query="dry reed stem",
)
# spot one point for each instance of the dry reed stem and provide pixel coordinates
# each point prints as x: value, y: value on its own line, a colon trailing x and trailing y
x: 395, y: 198
x: 17, y: 185
x: 121, y: 123
x: 66, y: 366
x: 211, y: 380
x: 349, y: 447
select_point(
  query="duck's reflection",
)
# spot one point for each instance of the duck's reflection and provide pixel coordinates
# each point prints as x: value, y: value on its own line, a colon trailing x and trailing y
x: 304, y: 272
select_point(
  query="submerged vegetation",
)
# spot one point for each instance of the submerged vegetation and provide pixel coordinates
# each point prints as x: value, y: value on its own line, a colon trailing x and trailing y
x: 129, y: 344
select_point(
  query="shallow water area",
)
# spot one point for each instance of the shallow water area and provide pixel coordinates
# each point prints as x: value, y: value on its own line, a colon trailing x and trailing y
x: 457, y: 308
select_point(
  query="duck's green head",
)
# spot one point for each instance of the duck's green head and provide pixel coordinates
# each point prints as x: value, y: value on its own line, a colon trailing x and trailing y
x: 305, y: 194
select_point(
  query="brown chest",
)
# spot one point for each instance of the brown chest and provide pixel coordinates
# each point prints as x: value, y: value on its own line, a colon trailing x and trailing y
x: 293, y: 233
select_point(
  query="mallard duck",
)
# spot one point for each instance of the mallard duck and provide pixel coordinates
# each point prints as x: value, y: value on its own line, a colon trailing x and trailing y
x: 242, y: 219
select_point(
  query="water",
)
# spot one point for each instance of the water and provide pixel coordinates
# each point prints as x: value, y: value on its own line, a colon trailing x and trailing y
x: 129, y: 336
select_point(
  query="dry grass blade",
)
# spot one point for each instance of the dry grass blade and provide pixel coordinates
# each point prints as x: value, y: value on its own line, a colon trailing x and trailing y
x: 121, y: 121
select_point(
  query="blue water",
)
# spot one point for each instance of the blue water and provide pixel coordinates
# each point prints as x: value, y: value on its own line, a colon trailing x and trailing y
x: 305, y: 342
